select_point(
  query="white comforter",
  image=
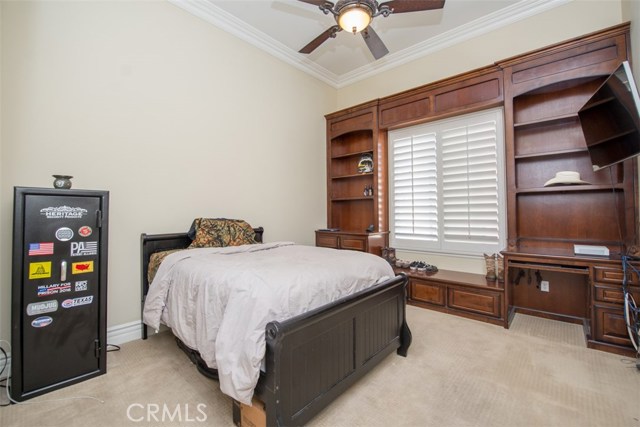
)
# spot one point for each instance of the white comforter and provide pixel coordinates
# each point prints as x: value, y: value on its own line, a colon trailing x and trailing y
x: 219, y: 300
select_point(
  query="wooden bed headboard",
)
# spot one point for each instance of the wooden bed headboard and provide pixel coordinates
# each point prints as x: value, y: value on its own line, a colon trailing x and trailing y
x: 152, y: 243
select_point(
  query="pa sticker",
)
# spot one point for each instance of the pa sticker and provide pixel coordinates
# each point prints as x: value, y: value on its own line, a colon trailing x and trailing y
x: 84, y: 248
x: 39, y: 270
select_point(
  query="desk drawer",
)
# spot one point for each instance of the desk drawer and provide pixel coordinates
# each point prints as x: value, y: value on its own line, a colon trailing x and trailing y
x: 614, y: 294
x: 613, y: 275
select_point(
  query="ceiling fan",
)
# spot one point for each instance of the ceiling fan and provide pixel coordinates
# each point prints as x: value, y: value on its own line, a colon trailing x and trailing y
x: 356, y: 15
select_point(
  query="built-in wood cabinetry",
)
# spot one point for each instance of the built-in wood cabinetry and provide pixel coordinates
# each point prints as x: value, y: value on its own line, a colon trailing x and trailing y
x: 463, y: 294
x: 365, y: 242
x: 542, y: 92
x: 473, y: 91
x: 356, y: 200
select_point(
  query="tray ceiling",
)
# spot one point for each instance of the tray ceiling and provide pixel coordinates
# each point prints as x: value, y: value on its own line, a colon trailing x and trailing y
x: 282, y: 27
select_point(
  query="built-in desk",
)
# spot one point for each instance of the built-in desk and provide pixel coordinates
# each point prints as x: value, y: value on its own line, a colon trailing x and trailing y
x: 582, y: 289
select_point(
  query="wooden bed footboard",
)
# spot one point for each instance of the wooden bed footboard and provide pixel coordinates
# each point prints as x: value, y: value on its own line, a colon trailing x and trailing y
x: 312, y: 358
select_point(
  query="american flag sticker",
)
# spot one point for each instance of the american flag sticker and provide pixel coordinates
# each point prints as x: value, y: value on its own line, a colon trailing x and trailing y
x: 41, y: 248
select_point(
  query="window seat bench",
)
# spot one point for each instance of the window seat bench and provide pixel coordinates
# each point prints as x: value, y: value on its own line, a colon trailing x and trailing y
x: 464, y: 294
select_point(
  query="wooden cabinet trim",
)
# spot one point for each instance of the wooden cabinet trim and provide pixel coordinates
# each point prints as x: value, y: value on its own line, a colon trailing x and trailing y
x: 610, y: 326
x: 613, y: 275
x: 429, y: 292
x: 476, y: 301
x: 465, y: 294
x: 473, y: 91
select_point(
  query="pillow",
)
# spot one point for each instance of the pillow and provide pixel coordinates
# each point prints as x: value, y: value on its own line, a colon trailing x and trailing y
x: 155, y: 260
x: 220, y: 232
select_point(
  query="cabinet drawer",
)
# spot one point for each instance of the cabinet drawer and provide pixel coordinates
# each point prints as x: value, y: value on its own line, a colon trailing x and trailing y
x: 610, y: 326
x: 327, y: 241
x: 427, y: 292
x: 482, y: 302
x: 614, y: 294
x: 353, y: 243
x: 614, y: 275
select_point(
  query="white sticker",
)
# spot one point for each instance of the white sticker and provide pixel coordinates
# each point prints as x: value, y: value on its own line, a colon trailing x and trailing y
x: 64, y: 234
x: 63, y: 212
x: 75, y: 302
x: 36, y: 308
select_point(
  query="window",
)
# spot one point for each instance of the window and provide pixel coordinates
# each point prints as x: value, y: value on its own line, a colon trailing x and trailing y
x: 446, y: 185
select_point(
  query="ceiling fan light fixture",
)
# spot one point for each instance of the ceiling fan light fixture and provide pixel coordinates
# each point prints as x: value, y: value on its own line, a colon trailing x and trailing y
x: 354, y: 18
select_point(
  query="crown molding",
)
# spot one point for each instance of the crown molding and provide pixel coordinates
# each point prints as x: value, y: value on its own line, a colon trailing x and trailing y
x: 211, y: 13
x: 502, y: 18
x: 206, y: 10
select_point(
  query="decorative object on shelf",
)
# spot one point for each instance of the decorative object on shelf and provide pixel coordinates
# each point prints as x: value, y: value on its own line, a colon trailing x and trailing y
x: 368, y: 191
x: 365, y: 165
x: 62, y: 181
x: 500, y: 267
x: 390, y: 255
x: 566, y: 178
x: 370, y: 228
x: 490, y: 263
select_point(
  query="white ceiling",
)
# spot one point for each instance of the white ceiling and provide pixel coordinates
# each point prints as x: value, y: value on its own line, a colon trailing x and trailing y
x: 282, y: 27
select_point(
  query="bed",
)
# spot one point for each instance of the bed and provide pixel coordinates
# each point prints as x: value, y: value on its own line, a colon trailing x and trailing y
x: 310, y: 358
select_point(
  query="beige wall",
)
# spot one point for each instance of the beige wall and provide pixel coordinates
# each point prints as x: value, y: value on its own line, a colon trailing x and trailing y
x: 631, y: 13
x: 173, y: 116
x: 178, y: 119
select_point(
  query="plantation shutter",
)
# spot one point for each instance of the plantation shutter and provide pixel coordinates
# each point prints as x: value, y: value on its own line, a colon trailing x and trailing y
x: 470, y: 183
x: 446, y: 185
x: 415, y: 208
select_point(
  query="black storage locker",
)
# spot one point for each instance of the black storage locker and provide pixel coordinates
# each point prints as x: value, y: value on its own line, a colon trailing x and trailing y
x: 59, y: 289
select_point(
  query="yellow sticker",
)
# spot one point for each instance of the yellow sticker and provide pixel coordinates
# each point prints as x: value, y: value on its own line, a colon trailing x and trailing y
x: 39, y: 270
x: 82, y: 267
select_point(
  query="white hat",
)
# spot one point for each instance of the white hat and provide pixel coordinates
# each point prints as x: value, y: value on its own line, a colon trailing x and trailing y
x: 565, y: 178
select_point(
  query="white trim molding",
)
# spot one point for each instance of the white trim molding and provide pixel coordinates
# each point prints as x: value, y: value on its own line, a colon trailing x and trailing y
x: 124, y: 333
x: 208, y: 11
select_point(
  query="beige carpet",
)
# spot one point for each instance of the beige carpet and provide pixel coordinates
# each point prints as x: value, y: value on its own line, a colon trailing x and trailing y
x: 459, y: 373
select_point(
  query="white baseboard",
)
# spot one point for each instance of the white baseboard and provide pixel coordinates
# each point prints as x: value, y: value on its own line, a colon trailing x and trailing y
x: 117, y: 335
x: 126, y: 332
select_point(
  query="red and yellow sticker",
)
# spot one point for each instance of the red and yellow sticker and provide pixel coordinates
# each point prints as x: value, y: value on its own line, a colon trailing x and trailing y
x: 39, y: 270
x: 82, y: 267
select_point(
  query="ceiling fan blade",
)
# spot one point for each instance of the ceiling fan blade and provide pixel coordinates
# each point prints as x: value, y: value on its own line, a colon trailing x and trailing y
x: 315, y: 2
x: 402, y: 6
x: 377, y: 48
x: 313, y: 45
